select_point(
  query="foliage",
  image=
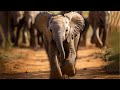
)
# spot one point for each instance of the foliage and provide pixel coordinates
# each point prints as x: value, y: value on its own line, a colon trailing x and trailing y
x: 112, y: 55
x: 104, y: 53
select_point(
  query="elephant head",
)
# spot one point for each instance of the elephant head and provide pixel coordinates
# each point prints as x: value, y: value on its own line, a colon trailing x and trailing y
x: 65, y: 28
x: 59, y: 27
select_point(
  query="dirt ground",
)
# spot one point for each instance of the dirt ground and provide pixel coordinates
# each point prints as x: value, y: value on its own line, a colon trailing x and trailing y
x: 26, y: 63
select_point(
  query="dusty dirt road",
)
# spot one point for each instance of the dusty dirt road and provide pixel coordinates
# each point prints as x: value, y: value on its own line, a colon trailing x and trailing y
x: 26, y: 63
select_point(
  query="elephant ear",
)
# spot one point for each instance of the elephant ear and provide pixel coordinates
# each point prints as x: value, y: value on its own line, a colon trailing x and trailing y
x: 77, y: 24
x: 42, y: 22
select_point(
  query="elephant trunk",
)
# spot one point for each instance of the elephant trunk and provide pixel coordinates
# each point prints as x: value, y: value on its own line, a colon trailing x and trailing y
x: 59, y: 44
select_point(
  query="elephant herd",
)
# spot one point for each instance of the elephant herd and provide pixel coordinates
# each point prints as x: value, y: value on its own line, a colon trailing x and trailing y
x: 13, y: 22
x: 61, y: 34
x: 99, y: 21
x: 25, y: 20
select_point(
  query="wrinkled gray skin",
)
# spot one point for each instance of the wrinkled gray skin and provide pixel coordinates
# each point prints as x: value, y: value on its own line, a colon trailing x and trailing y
x: 29, y: 24
x: 98, y: 19
x: 61, y: 35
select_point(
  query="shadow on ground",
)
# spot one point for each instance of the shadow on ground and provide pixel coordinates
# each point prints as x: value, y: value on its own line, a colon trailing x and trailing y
x: 26, y: 75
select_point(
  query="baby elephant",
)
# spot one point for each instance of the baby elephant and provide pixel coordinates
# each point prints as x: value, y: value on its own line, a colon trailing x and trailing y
x: 61, y: 36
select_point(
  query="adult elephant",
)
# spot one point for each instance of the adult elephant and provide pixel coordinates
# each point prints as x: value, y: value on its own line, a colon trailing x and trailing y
x: 98, y: 19
x: 61, y: 36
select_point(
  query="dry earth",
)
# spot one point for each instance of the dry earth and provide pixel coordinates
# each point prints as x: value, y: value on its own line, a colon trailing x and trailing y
x: 26, y: 63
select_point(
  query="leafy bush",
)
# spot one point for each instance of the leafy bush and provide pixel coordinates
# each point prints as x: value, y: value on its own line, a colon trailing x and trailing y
x: 112, y: 55
x: 104, y: 53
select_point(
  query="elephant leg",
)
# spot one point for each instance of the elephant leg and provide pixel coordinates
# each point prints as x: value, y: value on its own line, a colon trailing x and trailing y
x: 32, y: 37
x: 6, y: 35
x: 18, y: 34
x: 17, y: 37
x: 39, y: 38
x: 69, y: 65
x: 45, y: 42
x: 1, y: 40
x: 24, y: 36
x: 93, y: 38
x: 12, y: 35
x: 54, y: 65
x: 41, y: 41
x: 83, y: 39
x: 104, y: 37
x: 69, y: 68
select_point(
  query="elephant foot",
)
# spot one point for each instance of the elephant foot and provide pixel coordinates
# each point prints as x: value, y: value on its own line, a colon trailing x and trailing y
x: 99, y: 45
x: 32, y: 44
x: 68, y: 69
x: 56, y: 75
